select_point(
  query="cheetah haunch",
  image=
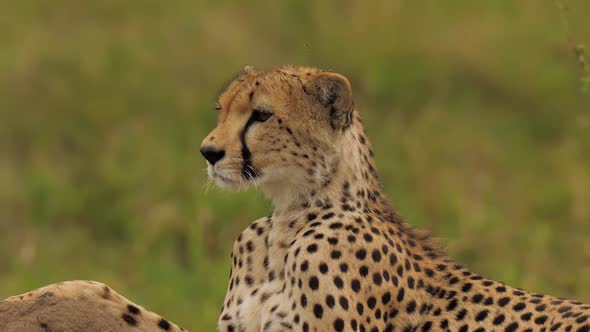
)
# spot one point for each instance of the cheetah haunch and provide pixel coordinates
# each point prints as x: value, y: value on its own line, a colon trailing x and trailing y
x: 334, y: 255
x: 77, y: 306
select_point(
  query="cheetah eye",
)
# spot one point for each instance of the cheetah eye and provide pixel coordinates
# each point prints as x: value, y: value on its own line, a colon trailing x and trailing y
x: 261, y: 115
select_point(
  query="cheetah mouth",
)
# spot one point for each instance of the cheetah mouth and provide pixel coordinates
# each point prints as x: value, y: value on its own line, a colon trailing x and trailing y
x: 232, y: 179
x: 224, y: 181
x: 222, y: 178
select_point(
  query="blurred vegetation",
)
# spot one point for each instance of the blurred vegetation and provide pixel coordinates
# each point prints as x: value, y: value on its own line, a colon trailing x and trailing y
x: 480, y: 129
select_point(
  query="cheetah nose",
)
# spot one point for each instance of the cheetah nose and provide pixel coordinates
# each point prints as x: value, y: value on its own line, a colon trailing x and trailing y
x: 212, y: 155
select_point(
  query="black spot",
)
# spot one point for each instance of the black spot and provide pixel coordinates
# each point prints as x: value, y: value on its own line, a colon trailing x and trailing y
x: 512, y: 327
x: 312, y: 248
x: 129, y: 319
x: 499, y: 319
x: 371, y: 302
x: 519, y: 306
x: 330, y: 301
x: 133, y: 309
x: 343, y: 267
x: 249, y: 280
x: 503, y: 301
x: 343, y: 303
x: 481, y: 315
x: 526, y: 316
x: 304, y: 266
x: 541, y: 320
x: 400, y: 295
x: 377, y: 278
x: 318, y: 311
x: 466, y: 287
x: 363, y: 271
x: 164, y: 325
x: 477, y: 298
x: 392, y: 259
x: 328, y: 216
x: 361, y: 254
x: 452, y: 305
x: 314, y: 283
x: 355, y: 285
x: 338, y: 282
x: 376, y: 255
x: 386, y: 298
x: 461, y: 314
x: 410, y: 283
x: 360, y: 308
x: 336, y: 225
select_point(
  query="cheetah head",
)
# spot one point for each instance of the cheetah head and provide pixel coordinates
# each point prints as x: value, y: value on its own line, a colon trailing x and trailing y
x: 281, y: 130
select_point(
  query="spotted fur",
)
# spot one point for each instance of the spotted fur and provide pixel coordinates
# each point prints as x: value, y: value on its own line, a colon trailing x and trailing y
x: 78, y: 306
x: 334, y: 255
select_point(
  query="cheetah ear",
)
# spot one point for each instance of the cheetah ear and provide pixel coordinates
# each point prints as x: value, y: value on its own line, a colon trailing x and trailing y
x: 333, y: 91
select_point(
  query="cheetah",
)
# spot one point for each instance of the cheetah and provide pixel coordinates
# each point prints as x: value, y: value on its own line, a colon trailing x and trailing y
x: 78, y: 306
x: 334, y: 255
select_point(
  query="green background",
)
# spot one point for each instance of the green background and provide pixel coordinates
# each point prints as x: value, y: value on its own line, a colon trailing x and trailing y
x: 475, y: 109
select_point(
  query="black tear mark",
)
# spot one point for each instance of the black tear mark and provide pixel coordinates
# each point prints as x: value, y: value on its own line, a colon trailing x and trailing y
x: 248, y: 171
x: 45, y: 327
x: 129, y: 319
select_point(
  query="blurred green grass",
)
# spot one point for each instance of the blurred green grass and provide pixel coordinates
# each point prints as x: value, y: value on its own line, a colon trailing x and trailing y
x: 475, y: 110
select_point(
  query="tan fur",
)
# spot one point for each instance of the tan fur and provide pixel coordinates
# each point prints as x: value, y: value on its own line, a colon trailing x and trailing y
x: 77, y: 306
x: 334, y: 255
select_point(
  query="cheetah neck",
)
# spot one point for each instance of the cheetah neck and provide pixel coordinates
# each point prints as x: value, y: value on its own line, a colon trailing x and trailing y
x: 353, y: 174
